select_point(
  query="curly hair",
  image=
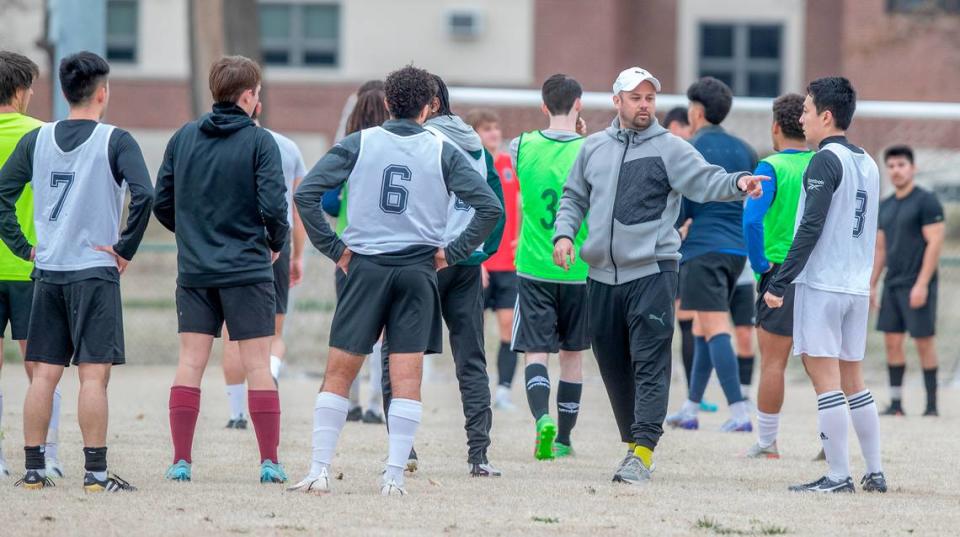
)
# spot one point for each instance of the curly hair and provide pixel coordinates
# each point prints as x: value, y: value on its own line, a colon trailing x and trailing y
x: 408, y: 90
x: 787, y: 110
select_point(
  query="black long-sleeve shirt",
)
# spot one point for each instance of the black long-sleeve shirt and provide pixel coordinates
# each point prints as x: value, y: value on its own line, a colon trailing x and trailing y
x: 820, y: 181
x: 126, y: 164
x: 335, y: 167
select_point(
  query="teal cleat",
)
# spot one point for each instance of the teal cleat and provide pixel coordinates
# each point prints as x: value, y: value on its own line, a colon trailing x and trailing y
x: 271, y: 472
x: 179, y: 471
x: 706, y: 406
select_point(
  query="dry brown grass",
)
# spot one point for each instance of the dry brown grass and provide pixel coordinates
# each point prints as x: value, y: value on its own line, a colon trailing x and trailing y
x: 701, y: 487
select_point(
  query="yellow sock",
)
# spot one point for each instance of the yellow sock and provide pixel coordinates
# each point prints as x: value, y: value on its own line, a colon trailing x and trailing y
x: 645, y: 454
x: 631, y: 446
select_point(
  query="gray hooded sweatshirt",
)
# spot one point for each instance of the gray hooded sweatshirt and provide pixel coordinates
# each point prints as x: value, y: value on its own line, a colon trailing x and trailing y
x: 628, y: 185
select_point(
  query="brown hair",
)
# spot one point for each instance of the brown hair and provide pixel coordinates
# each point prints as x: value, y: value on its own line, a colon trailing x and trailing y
x: 370, y: 111
x: 230, y: 76
x: 17, y: 72
x: 481, y: 116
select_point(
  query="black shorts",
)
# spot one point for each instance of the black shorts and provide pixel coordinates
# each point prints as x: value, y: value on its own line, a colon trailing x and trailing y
x: 501, y: 293
x: 16, y: 299
x: 281, y: 280
x: 79, y: 323
x: 742, y: 306
x: 249, y: 310
x: 896, y: 315
x: 777, y: 321
x: 403, y: 299
x: 709, y: 281
x: 550, y: 317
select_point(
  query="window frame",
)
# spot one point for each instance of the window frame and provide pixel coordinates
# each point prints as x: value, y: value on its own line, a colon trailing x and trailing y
x: 741, y: 65
x: 132, y: 42
x: 296, y: 44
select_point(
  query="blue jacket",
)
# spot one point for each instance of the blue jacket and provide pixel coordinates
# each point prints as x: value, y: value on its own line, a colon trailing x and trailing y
x: 717, y: 225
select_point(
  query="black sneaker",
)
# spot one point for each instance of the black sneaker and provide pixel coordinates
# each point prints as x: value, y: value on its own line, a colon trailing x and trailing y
x: 372, y: 417
x: 893, y: 410
x: 875, y: 482
x: 825, y: 484
x: 355, y: 414
x: 484, y: 469
x: 32, y: 480
x: 931, y: 412
x: 241, y: 423
x: 111, y: 484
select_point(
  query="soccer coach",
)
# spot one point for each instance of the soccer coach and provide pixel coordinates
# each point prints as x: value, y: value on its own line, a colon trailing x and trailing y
x: 627, y: 182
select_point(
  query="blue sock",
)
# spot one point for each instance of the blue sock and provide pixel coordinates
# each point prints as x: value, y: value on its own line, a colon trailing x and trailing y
x: 728, y: 370
x: 700, y: 372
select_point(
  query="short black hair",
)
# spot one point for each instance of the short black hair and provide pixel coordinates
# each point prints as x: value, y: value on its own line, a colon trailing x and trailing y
x: 898, y: 151
x: 787, y: 110
x: 715, y: 96
x: 836, y: 94
x: 443, y: 95
x: 678, y: 114
x: 17, y: 72
x: 81, y: 75
x: 559, y: 93
x: 408, y: 90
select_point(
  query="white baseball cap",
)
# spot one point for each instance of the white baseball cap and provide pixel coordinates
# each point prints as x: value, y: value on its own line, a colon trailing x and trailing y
x: 633, y: 77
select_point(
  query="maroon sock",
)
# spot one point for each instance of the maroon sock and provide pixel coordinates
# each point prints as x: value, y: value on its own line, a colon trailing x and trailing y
x: 264, y: 406
x: 184, y: 409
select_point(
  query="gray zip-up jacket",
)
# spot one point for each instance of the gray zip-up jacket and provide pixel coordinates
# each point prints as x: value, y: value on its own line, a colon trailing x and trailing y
x: 628, y: 184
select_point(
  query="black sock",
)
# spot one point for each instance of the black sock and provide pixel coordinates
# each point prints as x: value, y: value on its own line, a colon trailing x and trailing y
x: 930, y: 382
x: 95, y: 459
x: 34, y: 458
x: 568, y: 407
x: 746, y: 369
x: 506, y: 364
x: 686, y: 347
x: 896, y: 384
x: 538, y: 389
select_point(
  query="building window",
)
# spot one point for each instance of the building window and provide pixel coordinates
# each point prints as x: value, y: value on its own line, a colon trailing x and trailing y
x: 300, y: 35
x: 122, y: 30
x: 748, y: 57
x: 923, y: 6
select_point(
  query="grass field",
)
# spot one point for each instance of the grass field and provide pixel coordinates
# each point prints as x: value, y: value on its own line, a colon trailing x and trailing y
x: 701, y: 487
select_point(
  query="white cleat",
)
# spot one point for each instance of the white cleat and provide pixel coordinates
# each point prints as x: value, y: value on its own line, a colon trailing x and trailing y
x: 313, y: 485
x: 53, y: 467
x: 3, y: 467
x: 392, y: 488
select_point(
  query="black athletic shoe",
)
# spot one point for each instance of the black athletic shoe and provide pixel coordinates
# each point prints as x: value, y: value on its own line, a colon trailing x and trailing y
x: 111, y: 484
x: 931, y: 412
x: 484, y: 469
x: 893, y: 410
x: 238, y: 423
x: 32, y: 480
x: 825, y: 484
x: 355, y: 414
x: 372, y: 417
x: 875, y: 482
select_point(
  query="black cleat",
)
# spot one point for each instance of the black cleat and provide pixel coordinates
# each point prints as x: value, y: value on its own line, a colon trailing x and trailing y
x: 112, y: 483
x: 372, y: 417
x: 875, y: 482
x: 893, y: 410
x: 355, y: 414
x: 237, y: 423
x: 931, y: 412
x: 484, y: 469
x: 825, y: 485
x: 32, y: 480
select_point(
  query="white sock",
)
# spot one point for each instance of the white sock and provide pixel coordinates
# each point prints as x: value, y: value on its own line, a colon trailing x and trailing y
x: 740, y: 411
x: 832, y: 419
x: 375, y: 367
x: 100, y: 476
x: 745, y: 390
x: 276, y: 363
x: 690, y: 408
x: 237, y: 395
x: 767, y: 427
x: 329, y: 415
x: 404, y: 419
x: 53, y: 430
x: 863, y: 412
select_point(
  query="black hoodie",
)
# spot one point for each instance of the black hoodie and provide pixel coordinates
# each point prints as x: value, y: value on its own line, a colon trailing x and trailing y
x: 220, y: 189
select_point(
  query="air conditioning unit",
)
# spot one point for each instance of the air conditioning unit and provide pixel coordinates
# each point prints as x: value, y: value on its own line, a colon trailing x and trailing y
x: 464, y: 24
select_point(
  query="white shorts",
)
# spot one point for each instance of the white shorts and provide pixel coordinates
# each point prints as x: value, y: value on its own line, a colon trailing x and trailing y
x: 829, y: 324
